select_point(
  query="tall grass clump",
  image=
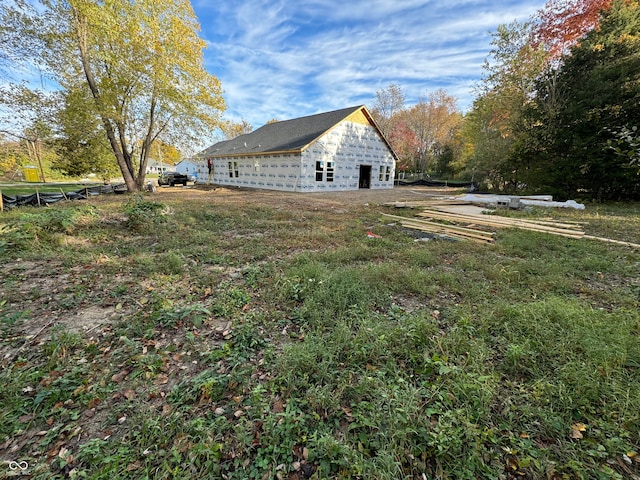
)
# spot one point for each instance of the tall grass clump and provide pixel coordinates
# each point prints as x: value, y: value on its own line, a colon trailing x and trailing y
x: 42, y: 228
x: 142, y: 214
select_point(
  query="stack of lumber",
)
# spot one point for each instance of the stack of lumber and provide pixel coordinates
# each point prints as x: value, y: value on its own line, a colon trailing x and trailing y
x: 555, y: 228
x: 454, y: 231
x: 472, y: 225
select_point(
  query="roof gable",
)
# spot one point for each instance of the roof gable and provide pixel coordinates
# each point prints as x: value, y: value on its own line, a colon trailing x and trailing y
x: 288, y: 135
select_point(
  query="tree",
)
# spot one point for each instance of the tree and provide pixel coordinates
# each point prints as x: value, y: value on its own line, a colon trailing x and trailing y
x: 600, y: 85
x: 12, y: 155
x: 141, y: 62
x: 405, y: 143
x: 231, y: 130
x: 11, y: 20
x: 165, y: 153
x: 433, y: 121
x: 487, y: 148
x: 81, y: 144
x: 389, y: 103
x: 31, y: 113
x: 626, y: 143
x: 497, y: 131
x: 563, y: 23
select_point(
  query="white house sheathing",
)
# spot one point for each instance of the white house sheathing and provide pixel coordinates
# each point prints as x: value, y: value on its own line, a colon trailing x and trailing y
x: 348, y: 156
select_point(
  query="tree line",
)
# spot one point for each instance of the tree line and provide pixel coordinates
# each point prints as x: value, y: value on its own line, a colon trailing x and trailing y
x: 559, y: 107
x: 556, y: 112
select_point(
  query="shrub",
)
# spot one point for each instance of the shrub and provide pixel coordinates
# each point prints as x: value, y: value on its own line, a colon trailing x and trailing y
x: 143, y: 215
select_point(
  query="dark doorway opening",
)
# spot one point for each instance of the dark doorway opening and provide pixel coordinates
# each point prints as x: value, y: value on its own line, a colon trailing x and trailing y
x: 365, y: 176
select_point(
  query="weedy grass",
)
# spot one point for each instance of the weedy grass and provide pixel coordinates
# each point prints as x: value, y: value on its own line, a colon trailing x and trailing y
x: 241, y: 340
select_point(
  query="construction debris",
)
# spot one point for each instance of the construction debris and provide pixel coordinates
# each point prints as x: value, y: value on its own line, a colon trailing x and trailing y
x: 513, y: 202
x: 473, y: 226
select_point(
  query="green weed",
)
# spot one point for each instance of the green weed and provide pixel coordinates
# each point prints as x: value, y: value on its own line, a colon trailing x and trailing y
x: 143, y: 215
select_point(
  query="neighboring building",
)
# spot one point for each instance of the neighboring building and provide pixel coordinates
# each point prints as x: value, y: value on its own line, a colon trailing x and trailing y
x: 189, y: 166
x: 154, y: 166
x: 333, y: 151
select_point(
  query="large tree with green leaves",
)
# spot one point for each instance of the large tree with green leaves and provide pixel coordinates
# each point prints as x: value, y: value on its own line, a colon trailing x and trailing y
x: 141, y: 64
x: 599, y: 87
x: 497, y: 129
x: 82, y: 146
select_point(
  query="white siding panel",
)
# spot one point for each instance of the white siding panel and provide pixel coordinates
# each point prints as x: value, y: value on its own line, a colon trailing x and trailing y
x: 349, y: 146
x: 273, y: 172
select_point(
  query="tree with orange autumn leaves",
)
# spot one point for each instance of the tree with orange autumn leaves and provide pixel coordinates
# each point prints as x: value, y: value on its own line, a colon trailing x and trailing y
x: 563, y: 23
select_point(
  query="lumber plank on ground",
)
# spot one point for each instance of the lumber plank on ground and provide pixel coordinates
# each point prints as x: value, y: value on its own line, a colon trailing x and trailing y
x: 493, y: 220
x: 441, y: 230
x: 451, y: 230
x: 501, y: 222
x: 610, y: 240
x: 451, y: 227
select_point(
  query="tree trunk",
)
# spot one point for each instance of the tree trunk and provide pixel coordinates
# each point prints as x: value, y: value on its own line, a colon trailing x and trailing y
x: 123, y: 157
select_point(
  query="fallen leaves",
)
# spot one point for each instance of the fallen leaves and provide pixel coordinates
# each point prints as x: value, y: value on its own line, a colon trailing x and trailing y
x: 121, y: 375
x: 577, y: 429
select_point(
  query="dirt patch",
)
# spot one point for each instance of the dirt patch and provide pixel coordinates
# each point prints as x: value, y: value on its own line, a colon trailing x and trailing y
x: 340, y: 201
x: 88, y: 319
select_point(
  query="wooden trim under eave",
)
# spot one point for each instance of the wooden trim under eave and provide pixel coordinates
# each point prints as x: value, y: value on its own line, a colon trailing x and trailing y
x: 255, y: 154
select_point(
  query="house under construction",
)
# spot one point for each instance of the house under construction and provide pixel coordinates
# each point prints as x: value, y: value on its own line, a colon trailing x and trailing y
x: 334, y: 151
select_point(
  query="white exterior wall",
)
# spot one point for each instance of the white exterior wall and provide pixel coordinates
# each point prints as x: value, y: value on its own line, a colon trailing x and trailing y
x: 187, y: 166
x: 349, y: 146
x: 273, y: 172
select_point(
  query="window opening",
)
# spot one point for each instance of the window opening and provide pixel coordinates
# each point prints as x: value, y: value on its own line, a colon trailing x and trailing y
x: 233, y: 169
x: 319, y: 170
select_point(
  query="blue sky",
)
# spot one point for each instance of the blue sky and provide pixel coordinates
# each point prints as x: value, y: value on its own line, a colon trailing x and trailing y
x: 285, y: 59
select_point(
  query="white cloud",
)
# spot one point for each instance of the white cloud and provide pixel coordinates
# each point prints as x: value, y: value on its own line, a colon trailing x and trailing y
x: 284, y: 59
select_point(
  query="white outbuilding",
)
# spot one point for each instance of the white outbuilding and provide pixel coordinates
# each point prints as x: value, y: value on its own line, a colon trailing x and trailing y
x: 189, y: 166
x: 334, y: 151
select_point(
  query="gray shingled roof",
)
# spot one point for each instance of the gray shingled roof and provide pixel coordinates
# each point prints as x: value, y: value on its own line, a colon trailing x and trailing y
x: 284, y: 136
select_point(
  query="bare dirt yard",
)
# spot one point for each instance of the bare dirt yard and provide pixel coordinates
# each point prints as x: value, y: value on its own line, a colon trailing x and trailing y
x: 336, y: 200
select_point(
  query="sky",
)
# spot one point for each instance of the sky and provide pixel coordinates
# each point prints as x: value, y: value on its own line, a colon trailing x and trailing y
x: 283, y: 59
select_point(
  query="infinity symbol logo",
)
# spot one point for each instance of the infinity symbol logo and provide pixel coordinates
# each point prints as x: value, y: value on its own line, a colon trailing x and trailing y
x: 18, y: 465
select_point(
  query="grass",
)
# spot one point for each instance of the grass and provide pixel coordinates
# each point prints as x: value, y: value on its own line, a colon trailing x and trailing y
x: 240, y: 340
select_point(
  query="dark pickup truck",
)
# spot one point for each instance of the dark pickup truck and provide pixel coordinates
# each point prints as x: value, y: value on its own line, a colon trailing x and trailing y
x: 173, y: 178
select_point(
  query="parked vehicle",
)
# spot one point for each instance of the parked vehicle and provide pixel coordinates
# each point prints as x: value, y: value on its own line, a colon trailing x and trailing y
x: 172, y: 178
